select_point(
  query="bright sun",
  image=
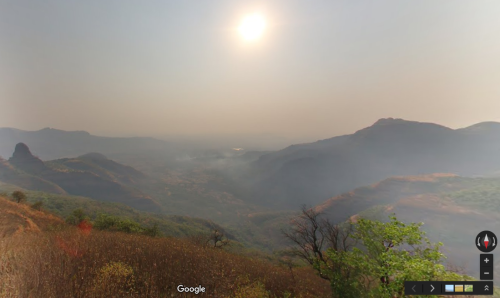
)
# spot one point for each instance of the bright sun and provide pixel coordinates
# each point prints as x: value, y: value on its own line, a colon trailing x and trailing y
x: 252, y: 27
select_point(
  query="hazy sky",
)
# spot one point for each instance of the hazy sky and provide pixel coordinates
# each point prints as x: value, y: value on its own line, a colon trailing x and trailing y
x: 322, y: 68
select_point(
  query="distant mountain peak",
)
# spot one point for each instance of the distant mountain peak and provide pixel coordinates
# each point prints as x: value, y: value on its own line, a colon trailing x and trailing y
x: 399, y: 121
x: 22, y: 151
x: 386, y: 121
x: 393, y: 126
x: 54, y: 130
x: 23, y: 159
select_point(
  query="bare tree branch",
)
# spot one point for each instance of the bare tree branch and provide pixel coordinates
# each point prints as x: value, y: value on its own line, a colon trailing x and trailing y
x: 312, y: 235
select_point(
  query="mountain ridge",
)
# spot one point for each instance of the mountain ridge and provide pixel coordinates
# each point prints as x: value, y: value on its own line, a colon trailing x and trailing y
x: 100, y: 178
x: 309, y: 173
x: 52, y: 143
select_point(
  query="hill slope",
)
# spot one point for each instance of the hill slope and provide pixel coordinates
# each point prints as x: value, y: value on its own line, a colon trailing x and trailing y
x: 309, y: 173
x: 17, y: 218
x: 388, y: 191
x: 91, y: 175
x: 69, y: 263
x: 169, y: 225
x: 10, y: 174
x: 453, y: 209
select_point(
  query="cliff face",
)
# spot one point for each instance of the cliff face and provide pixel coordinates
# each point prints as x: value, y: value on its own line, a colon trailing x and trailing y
x: 24, y: 160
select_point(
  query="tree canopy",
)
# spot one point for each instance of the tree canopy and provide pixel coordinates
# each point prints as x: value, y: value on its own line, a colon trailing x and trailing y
x: 367, y: 258
x: 19, y: 196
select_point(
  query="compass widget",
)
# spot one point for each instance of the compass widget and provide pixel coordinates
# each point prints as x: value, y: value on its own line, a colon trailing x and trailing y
x: 486, y: 241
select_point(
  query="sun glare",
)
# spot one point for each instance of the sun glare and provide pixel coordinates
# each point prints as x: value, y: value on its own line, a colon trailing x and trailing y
x: 252, y: 27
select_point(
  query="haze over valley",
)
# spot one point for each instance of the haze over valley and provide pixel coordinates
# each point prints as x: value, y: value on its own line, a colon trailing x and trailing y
x: 250, y: 148
x: 260, y: 190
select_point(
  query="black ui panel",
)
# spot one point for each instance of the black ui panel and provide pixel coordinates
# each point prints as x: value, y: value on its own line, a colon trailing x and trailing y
x: 486, y: 266
x: 448, y: 288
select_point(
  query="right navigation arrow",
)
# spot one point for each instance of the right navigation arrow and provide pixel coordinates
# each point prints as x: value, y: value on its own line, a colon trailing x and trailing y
x: 432, y: 288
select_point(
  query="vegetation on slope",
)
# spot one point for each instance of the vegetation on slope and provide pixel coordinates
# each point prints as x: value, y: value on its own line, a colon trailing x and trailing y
x: 367, y: 258
x: 484, y: 194
x: 64, y: 206
x: 18, y: 218
x: 454, y: 209
x: 71, y: 262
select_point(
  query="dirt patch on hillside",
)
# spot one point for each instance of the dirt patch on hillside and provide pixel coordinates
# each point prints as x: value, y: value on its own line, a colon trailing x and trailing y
x: 18, y: 218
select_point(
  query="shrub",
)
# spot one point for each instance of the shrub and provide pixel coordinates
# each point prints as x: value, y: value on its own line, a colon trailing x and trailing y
x: 76, y: 217
x: 113, y: 223
x: 114, y: 279
x: 105, y: 222
x: 37, y: 205
x: 153, y: 231
x: 19, y: 196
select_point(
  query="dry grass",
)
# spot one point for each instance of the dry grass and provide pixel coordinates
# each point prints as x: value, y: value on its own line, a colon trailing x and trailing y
x: 16, y: 218
x: 69, y: 263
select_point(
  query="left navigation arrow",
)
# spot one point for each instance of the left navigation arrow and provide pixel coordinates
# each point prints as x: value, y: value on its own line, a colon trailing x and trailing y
x: 413, y: 287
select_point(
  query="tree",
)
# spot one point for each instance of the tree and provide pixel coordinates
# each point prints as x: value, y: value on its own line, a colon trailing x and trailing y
x: 153, y: 231
x: 312, y: 236
x: 77, y: 216
x: 367, y: 258
x: 106, y: 222
x: 393, y: 252
x: 37, y: 206
x: 19, y: 196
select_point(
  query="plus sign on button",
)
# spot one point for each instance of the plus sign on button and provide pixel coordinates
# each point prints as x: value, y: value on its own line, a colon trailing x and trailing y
x: 486, y: 260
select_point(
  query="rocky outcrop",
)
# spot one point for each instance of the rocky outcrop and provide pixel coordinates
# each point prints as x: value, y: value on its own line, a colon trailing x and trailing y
x: 91, y: 175
x: 24, y: 160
